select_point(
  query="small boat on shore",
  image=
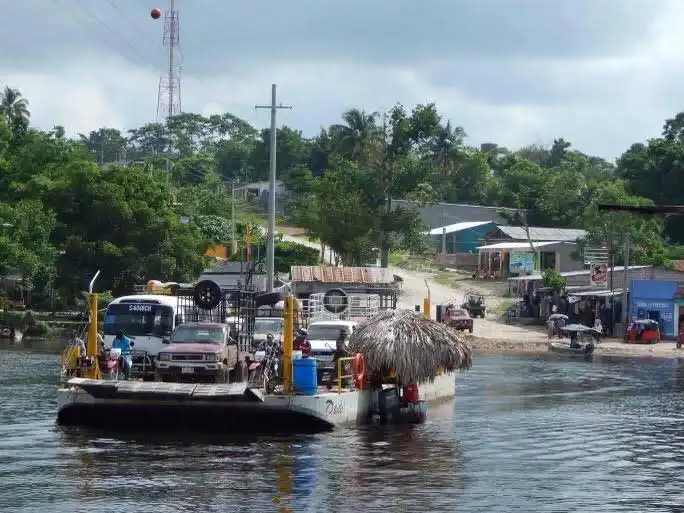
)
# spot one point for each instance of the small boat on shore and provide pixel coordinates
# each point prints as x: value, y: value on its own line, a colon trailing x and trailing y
x: 582, y: 340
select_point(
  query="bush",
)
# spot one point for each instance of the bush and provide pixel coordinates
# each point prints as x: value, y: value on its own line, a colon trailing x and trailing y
x: 12, y: 319
x: 39, y: 329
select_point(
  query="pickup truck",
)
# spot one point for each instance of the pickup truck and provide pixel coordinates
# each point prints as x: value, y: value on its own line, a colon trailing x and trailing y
x: 199, y: 352
x: 460, y: 319
x: 323, y: 337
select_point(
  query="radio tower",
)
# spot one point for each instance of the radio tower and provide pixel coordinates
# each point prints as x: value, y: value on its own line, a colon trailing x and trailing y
x: 169, y: 96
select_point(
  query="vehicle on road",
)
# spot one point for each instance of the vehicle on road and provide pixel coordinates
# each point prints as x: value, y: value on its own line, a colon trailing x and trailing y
x: 474, y: 305
x: 459, y: 319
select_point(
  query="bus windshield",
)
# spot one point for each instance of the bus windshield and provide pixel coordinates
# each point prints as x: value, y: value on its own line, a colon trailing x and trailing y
x: 139, y: 319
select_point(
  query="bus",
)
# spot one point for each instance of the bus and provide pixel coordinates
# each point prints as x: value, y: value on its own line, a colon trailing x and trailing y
x: 147, y: 319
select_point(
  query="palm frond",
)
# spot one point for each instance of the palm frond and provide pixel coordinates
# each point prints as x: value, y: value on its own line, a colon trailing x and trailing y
x: 414, y: 347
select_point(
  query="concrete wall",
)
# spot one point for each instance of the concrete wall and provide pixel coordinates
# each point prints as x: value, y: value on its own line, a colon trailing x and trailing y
x: 565, y: 261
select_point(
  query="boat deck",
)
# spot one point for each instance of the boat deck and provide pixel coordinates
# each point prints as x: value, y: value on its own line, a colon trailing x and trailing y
x: 155, y: 391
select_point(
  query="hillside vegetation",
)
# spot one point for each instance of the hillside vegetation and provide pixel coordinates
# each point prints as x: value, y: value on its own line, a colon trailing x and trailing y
x: 71, y: 206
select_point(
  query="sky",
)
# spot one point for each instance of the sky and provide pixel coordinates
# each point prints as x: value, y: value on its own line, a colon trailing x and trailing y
x: 602, y: 74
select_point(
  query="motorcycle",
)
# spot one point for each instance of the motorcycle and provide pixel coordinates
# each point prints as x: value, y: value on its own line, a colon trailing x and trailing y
x: 115, y: 362
x: 264, y: 370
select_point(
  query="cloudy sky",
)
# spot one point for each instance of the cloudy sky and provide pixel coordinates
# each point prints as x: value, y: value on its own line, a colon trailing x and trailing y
x: 600, y: 73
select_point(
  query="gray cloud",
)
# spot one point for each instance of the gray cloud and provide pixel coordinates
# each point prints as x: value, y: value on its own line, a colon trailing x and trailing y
x: 511, y: 71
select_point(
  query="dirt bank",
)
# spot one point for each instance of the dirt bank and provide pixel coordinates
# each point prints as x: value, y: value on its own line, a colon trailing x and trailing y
x: 484, y: 345
x: 490, y: 335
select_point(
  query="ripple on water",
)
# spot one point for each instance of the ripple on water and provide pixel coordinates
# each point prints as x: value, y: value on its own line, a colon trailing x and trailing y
x: 524, y: 434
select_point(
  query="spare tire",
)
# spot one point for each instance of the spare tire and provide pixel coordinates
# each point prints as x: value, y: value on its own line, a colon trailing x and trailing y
x: 207, y: 295
x: 268, y: 298
x: 336, y: 301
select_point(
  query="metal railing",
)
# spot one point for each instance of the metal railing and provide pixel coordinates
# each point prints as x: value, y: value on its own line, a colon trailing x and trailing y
x: 341, y: 376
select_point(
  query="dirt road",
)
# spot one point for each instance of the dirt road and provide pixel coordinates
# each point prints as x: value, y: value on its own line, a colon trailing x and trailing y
x: 414, y: 289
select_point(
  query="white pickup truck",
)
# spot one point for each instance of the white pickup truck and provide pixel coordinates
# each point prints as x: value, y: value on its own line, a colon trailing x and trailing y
x: 323, y: 336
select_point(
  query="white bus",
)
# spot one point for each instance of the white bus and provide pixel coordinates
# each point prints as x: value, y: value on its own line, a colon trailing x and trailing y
x: 147, y: 319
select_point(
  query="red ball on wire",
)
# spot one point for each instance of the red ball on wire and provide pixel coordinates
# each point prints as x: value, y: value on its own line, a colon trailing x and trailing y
x: 155, y: 13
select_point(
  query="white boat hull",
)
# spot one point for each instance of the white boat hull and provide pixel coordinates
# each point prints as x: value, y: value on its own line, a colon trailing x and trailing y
x: 564, y: 347
x: 77, y: 405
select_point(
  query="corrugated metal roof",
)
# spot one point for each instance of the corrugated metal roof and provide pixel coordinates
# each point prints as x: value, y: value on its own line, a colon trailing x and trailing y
x: 519, y: 245
x: 617, y: 269
x: 453, y: 228
x: 323, y: 274
x: 550, y: 234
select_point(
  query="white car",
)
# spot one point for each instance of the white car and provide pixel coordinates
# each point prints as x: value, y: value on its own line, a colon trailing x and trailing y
x: 323, y: 336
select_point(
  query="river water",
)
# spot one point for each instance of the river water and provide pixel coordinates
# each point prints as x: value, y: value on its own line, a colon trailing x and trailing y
x: 530, y: 434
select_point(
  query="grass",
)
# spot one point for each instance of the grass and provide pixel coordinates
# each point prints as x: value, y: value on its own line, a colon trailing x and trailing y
x: 502, y: 306
x: 450, y: 278
x: 410, y: 262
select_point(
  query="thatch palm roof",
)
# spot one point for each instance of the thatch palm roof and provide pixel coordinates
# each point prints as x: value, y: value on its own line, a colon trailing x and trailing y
x: 411, y: 345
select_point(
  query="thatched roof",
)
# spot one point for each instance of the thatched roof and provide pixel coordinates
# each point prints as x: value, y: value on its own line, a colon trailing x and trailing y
x: 411, y: 345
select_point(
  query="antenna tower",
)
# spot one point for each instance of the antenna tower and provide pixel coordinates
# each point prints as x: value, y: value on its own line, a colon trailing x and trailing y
x: 169, y: 96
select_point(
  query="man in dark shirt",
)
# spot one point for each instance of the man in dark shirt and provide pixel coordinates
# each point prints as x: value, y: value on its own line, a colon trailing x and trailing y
x: 341, y: 351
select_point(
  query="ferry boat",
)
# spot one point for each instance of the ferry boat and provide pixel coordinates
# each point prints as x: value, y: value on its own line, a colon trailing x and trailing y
x: 380, y: 385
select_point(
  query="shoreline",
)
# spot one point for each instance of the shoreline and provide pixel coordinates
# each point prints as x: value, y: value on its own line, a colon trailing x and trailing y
x: 609, y: 347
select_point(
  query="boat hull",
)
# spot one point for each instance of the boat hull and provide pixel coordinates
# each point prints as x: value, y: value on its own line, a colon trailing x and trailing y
x: 564, y: 347
x: 176, y: 406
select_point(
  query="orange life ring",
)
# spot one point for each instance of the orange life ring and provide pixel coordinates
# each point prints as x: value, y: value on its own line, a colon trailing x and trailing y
x: 358, y: 370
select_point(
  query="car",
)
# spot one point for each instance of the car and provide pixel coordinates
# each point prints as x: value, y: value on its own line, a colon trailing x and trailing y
x: 474, y: 305
x: 265, y: 325
x: 199, y: 352
x: 460, y: 319
x: 322, y: 338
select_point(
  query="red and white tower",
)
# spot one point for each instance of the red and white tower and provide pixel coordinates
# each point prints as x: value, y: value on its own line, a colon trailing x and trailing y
x: 169, y: 96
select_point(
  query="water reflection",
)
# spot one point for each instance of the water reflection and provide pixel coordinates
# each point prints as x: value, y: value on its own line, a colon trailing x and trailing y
x: 523, y: 434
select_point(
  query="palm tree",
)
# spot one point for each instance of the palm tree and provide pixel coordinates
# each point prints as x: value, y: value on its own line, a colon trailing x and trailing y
x: 358, y: 128
x: 14, y: 108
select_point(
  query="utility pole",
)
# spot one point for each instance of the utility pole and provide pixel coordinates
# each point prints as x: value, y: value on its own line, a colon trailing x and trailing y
x: 270, y: 241
x: 625, y: 306
x: 234, y: 244
x: 444, y: 240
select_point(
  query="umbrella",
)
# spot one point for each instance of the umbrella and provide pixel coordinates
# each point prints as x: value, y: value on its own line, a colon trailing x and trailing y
x: 411, y: 345
x: 553, y: 317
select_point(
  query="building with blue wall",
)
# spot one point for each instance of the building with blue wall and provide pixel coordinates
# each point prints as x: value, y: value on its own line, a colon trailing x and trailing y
x: 658, y: 300
x: 461, y: 237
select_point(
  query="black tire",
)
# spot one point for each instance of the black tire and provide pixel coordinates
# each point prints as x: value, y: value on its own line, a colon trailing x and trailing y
x: 268, y: 299
x: 274, y: 385
x: 340, y: 305
x: 222, y: 377
x: 470, y: 330
x: 207, y: 295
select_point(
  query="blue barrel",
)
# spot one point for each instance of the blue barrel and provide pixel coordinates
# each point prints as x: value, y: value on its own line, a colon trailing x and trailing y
x: 304, y: 377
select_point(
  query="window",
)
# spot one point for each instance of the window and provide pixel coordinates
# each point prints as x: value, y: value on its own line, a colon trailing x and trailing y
x: 139, y: 319
x: 190, y: 334
x: 327, y: 332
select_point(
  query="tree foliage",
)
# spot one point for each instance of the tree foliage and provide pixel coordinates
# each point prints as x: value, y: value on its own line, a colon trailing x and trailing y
x: 112, y: 200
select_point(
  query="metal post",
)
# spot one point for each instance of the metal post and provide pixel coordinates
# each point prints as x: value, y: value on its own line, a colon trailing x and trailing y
x: 91, y: 347
x: 270, y: 240
x: 444, y: 247
x: 625, y: 285
x: 288, y: 334
x: 233, y: 240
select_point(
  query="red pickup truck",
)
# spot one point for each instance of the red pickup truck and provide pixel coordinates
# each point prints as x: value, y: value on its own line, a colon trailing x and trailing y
x: 459, y: 318
x: 199, y: 352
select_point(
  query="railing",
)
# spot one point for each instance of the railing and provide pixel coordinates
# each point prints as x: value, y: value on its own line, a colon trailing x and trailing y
x: 341, y: 376
x: 70, y: 358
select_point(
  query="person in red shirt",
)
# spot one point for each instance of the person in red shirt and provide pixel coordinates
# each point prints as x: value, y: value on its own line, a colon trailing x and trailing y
x: 301, y: 342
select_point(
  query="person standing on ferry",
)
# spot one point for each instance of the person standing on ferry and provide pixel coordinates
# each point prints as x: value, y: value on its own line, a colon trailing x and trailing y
x: 124, y: 343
